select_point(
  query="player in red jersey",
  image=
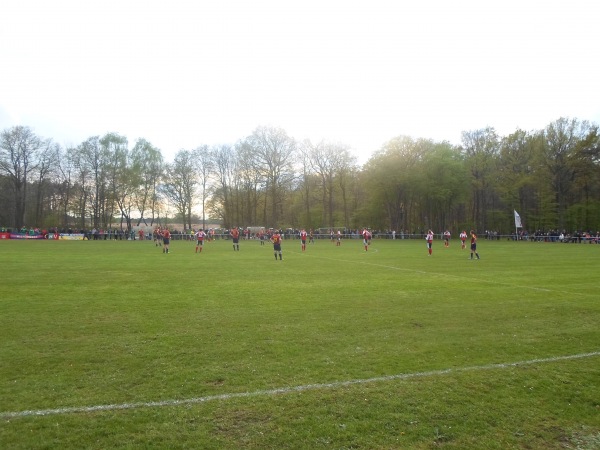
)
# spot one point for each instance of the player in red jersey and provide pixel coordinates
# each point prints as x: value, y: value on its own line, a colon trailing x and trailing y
x: 366, y: 234
x: 429, y: 239
x: 235, y: 235
x: 276, y: 240
x: 166, y: 235
x: 303, y: 239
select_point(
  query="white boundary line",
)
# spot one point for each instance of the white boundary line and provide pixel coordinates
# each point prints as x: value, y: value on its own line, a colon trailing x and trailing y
x: 284, y: 390
x: 424, y: 272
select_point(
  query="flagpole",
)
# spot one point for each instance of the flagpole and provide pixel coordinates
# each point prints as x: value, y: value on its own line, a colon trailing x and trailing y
x: 518, y: 223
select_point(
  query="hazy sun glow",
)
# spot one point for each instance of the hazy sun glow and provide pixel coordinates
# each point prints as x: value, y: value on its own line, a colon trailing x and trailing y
x: 182, y: 74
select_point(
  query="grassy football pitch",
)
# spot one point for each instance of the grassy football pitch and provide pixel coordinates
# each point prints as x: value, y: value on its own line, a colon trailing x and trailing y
x: 113, y: 344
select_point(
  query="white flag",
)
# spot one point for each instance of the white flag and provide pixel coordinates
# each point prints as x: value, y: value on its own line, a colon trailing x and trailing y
x: 518, y: 223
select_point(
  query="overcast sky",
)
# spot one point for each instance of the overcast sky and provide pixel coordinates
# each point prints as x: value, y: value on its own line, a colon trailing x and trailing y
x: 186, y: 73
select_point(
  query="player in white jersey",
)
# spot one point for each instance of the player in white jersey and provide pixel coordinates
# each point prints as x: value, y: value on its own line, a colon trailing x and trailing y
x: 366, y: 234
x: 200, y: 235
x: 463, y: 238
x: 429, y: 239
x: 446, y: 238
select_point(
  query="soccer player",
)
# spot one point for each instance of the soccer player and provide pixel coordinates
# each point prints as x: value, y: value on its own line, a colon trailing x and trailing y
x: 474, y: 245
x: 463, y: 238
x: 429, y: 239
x: 446, y: 238
x: 200, y: 235
x: 366, y: 234
x: 276, y: 240
x: 235, y: 234
x: 166, y: 235
x: 303, y: 239
x: 339, y: 238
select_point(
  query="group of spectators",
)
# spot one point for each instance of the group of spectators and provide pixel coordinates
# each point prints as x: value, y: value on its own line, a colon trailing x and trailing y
x: 579, y: 237
x: 291, y: 233
x: 32, y: 231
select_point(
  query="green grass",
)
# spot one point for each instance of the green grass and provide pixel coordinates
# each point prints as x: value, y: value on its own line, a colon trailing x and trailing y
x: 387, y: 348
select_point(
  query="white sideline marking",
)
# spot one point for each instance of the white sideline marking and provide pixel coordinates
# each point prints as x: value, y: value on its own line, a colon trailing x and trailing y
x: 424, y: 272
x: 284, y: 390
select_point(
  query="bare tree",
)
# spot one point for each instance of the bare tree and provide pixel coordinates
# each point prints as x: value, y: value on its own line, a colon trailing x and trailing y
x: 93, y: 179
x: 47, y: 167
x: 307, y: 179
x: 181, y: 183
x: 204, y: 168
x: 86, y: 176
x: 345, y: 173
x: 19, y: 157
x: 67, y: 172
x: 224, y: 169
x: 147, y: 166
x: 330, y: 162
x: 116, y: 154
x: 273, y: 157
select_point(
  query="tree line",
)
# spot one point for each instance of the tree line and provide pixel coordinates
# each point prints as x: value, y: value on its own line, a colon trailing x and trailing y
x: 551, y: 176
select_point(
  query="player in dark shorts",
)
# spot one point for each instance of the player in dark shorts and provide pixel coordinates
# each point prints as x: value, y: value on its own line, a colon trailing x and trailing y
x: 276, y: 240
x: 200, y: 235
x: 166, y: 240
x: 474, y: 245
x: 235, y: 235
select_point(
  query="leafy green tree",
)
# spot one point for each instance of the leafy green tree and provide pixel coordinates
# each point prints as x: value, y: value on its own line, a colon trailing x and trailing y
x: 444, y: 187
x: 481, y: 149
x: 515, y: 178
x: 583, y: 212
x: 345, y: 175
x: 560, y: 139
x: 307, y: 185
x: 392, y: 179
